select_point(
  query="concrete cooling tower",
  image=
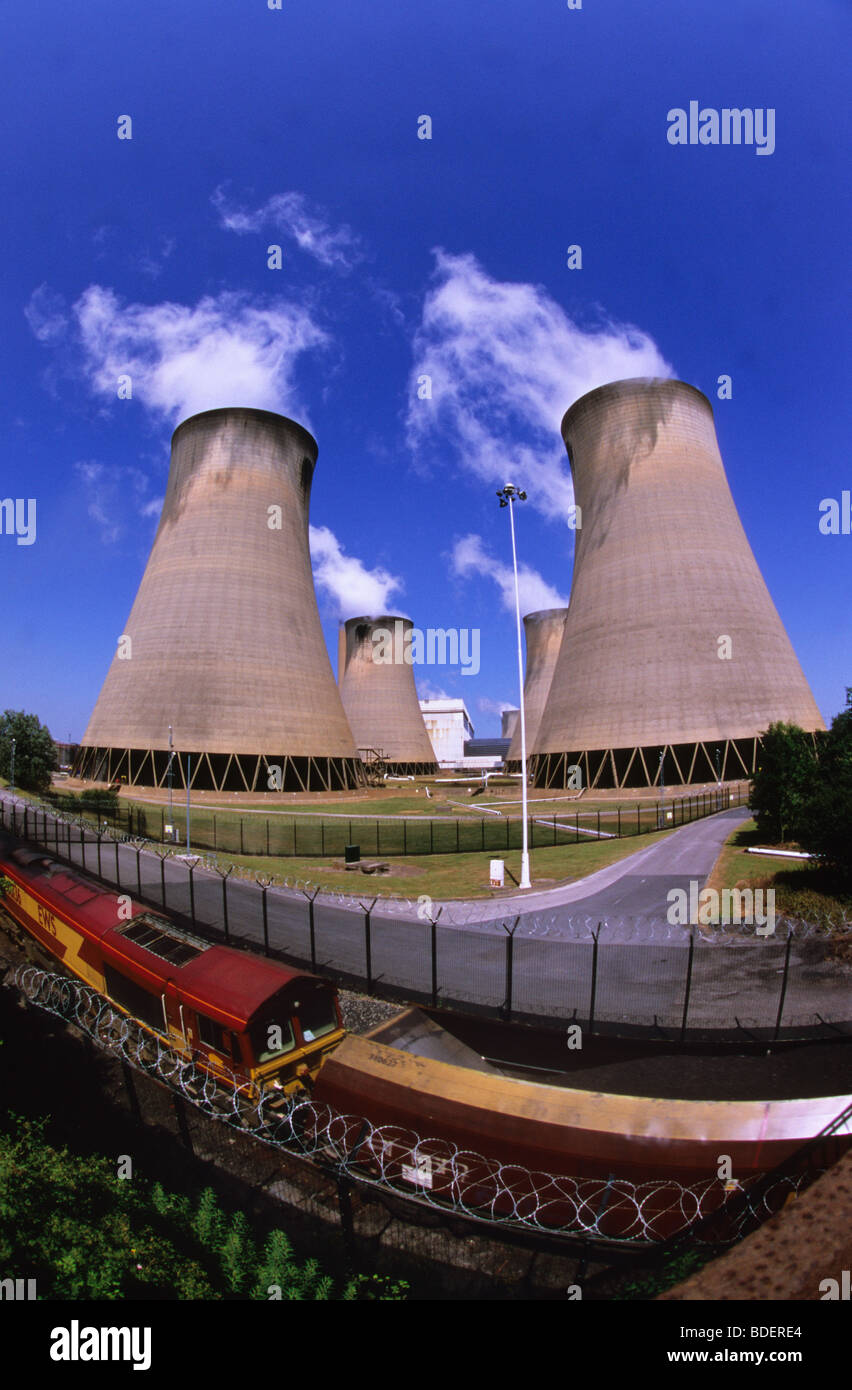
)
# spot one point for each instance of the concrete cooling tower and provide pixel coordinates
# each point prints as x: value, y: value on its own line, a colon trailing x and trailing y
x: 224, y: 641
x: 672, y: 644
x: 543, y: 635
x: 380, y: 698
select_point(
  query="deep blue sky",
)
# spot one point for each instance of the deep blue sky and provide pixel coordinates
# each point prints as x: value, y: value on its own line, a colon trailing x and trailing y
x: 400, y: 255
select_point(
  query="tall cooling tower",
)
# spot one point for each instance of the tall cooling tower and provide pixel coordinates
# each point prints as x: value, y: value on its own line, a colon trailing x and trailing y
x: 380, y: 698
x: 224, y: 641
x: 543, y: 634
x: 672, y: 645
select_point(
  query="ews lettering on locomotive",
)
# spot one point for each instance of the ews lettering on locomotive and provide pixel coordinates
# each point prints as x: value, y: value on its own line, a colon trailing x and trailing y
x: 47, y: 920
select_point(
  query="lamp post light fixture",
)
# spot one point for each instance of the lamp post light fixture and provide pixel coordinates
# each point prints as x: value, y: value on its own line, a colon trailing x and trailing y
x: 508, y: 495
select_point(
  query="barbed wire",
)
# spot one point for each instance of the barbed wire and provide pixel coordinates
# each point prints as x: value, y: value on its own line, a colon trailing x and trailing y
x: 429, y: 1171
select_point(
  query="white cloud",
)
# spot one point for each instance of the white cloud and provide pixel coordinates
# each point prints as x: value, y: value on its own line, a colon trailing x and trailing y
x: 494, y: 706
x: 181, y: 358
x: 426, y: 690
x: 113, y: 496
x: 506, y: 362
x: 291, y: 215
x: 469, y: 556
x: 356, y: 590
x: 45, y: 313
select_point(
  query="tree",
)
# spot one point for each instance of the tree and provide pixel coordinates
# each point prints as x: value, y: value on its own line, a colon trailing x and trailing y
x: 35, y: 751
x: 784, y: 781
x: 827, y: 822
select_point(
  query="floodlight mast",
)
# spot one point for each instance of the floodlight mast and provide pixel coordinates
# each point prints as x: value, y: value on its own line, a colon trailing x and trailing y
x: 508, y: 494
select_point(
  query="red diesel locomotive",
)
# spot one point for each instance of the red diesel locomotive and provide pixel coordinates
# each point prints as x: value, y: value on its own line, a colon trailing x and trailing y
x: 234, y: 1014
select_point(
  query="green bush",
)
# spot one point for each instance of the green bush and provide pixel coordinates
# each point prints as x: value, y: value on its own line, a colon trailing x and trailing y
x: 82, y: 1233
x: 783, y: 782
x: 35, y: 751
x: 826, y: 827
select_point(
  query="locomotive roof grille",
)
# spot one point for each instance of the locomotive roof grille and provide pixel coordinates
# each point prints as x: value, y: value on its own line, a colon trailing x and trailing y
x: 163, y: 940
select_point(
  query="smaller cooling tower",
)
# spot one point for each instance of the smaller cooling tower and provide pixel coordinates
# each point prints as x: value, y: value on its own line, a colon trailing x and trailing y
x: 508, y: 722
x: 543, y: 632
x: 380, y: 699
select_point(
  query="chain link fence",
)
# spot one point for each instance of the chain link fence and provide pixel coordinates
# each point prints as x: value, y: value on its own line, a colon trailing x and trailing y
x: 550, y: 967
x: 304, y: 836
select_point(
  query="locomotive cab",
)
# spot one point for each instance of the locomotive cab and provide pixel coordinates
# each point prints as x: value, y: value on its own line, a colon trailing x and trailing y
x: 288, y: 1037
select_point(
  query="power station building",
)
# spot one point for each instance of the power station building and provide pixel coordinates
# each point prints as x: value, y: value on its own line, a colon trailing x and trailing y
x: 380, y: 698
x: 224, y: 642
x: 543, y: 633
x: 673, y: 659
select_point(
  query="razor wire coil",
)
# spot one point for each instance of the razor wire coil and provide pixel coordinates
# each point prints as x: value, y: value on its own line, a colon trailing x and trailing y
x: 432, y: 1172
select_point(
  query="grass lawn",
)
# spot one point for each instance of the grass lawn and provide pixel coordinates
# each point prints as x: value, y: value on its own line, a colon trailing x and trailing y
x: 801, y: 890
x: 450, y: 875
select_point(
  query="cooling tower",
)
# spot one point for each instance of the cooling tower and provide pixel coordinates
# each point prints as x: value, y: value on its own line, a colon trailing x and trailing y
x: 224, y: 641
x: 672, y: 644
x: 543, y: 634
x: 379, y: 696
x: 508, y: 722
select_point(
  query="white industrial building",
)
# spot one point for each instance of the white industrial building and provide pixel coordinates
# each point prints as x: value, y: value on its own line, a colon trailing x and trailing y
x: 449, y: 726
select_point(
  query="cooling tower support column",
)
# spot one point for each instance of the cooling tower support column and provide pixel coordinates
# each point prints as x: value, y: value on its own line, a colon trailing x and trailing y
x: 224, y: 641
x: 672, y: 644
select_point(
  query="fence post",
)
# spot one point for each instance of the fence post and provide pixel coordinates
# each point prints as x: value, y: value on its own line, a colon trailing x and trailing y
x: 347, y: 1225
x: 215, y: 846
x: 82, y: 845
x: 242, y: 851
x: 180, y: 1116
x: 129, y: 1087
x: 405, y: 836
x: 368, y: 942
x: 322, y: 837
x: 310, y: 897
x: 192, y: 892
x: 99, y: 848
x: 225, y: 878
x: 510, y: 953
x: 267, y: 837
x: 431, y: 835
x: 595, y: 936
x: 688, y: 987
x: 619, y: 822
x: 139, y: 870
x: 163, y: 877
x: 162, y: 824
x: 457, y: 835
x: 433, y: 930
x: 783, y: 983
x: 264, y: 885
x: 117, y: 868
